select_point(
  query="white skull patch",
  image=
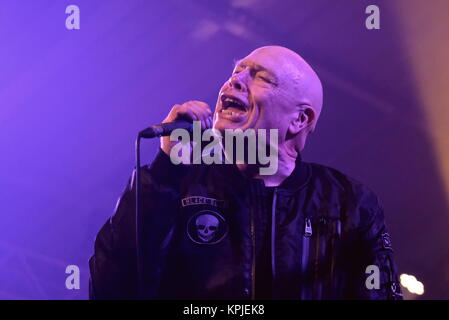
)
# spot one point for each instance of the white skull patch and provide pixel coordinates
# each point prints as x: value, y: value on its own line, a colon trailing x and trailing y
x: 206, y: 227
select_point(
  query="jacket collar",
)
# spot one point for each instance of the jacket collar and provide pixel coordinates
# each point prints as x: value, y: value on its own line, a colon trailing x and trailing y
x: 295, y: 181
x: 298, y: 178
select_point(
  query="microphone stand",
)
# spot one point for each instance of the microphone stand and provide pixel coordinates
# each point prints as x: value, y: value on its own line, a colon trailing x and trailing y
x: 144, y: 134
x: 148, y: 133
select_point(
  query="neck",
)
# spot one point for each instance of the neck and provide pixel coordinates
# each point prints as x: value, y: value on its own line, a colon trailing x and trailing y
x: 286, y: 165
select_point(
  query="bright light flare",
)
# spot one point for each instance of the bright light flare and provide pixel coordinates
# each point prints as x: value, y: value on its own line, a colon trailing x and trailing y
x: 412, y: 284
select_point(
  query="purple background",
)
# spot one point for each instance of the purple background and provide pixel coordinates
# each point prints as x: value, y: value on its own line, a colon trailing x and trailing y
x: 71, y: 103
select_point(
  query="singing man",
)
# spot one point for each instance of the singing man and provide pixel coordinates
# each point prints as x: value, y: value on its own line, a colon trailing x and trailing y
x: 226, y: 231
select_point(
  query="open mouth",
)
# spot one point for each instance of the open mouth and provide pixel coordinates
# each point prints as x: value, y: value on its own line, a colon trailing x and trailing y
x: 232, y: 106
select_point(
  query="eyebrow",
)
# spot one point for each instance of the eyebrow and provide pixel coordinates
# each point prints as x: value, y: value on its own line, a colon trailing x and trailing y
x: 255, y: 65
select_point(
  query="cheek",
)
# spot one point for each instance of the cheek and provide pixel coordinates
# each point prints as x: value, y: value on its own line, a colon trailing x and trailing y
x: 269, y: 107
x: 274, y: 112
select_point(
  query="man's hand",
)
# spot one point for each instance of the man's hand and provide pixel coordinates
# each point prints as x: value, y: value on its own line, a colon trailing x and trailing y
x: 191, y: 110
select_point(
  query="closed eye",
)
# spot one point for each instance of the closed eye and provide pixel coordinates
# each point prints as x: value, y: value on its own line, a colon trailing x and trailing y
x: 255, y: 73
x: 265, y: 79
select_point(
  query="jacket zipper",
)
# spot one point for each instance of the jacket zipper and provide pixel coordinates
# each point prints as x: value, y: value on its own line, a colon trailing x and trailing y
x: 305, y: 252
x: 306, y: 243
x: 273, y: 234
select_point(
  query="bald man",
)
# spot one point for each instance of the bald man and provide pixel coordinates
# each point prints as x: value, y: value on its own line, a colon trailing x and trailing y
x: 225, y: 231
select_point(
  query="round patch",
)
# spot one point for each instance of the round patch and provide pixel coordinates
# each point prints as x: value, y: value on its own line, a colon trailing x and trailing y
x: 207, y: 227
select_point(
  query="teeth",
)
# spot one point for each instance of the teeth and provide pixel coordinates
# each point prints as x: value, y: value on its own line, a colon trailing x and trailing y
x: 227, y: 112
x: 232, y: 100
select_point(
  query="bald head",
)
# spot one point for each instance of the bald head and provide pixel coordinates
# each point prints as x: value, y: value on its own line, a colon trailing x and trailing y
x: 298, y: 75
x: 278, y: 89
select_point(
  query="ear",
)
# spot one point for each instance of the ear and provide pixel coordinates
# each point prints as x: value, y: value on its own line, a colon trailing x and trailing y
x: 303, y: 121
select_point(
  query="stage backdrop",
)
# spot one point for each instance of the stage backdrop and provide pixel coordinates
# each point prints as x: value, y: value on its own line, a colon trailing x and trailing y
x: 72, y: 98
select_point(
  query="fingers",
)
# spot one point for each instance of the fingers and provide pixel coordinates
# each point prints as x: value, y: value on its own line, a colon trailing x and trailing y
x: 192, y: 110
x: 209, y: 122
x: 179, y: 111
x: 202, y: 111
x: 188, y: 112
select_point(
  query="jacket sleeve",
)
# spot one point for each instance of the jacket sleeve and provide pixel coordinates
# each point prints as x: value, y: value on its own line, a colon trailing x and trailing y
x: 113, y: 265
x: 378, y: 274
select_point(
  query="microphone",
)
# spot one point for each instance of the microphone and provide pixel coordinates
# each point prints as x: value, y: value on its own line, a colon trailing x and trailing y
x: 165, y: 129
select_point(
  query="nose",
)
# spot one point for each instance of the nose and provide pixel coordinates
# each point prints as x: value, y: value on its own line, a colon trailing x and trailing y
x: 237, y: 83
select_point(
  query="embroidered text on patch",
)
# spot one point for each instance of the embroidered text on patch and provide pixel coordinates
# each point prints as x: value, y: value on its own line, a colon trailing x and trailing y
x: 194, y: 200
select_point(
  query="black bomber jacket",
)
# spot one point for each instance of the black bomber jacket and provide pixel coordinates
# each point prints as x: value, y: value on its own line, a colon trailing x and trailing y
x: 328, y: 238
